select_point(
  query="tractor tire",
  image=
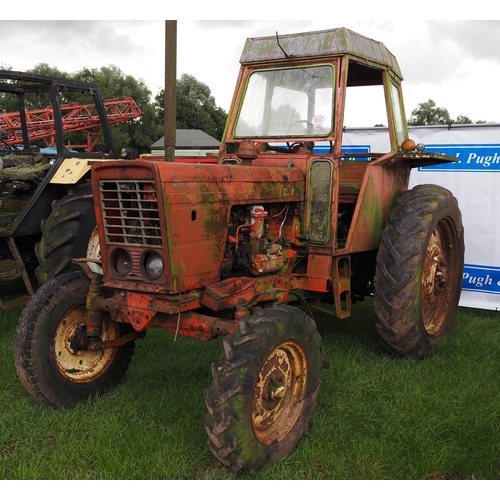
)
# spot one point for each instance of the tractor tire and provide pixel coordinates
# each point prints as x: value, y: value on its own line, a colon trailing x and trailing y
x: 264, y: 388
x: 52, y: 371
x: 419, y: 271
x: 66, y: 233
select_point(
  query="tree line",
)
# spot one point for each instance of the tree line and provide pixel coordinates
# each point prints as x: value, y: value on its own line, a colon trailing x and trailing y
x: 428, y: 113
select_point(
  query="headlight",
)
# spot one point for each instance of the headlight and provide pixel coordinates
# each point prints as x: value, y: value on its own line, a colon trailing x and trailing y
x: 152, y: 265
x: 121, y: 262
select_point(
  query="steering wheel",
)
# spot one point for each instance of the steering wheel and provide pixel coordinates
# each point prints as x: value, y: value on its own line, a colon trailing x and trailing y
x: 295, y: 147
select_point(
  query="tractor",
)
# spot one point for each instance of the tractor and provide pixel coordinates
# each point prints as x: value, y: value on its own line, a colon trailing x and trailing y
x: 46, y: 207
x: 289, y: 219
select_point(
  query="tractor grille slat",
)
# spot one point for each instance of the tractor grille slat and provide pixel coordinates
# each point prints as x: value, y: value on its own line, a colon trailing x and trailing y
x: 130, y: 212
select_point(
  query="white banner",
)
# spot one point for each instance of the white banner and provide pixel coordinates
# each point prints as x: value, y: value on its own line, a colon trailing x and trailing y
x: 475, y: 181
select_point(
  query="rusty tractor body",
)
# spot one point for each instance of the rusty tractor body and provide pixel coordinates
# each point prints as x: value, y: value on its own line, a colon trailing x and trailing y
x: 285, y: 217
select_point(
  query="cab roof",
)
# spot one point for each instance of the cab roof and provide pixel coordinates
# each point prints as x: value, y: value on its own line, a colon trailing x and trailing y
x: 333, y: 42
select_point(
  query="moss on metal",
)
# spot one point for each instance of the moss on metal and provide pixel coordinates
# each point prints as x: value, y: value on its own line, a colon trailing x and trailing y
x: 24, y: 172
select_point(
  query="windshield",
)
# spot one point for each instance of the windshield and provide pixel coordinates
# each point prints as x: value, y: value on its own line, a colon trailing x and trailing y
x: 292, y: 102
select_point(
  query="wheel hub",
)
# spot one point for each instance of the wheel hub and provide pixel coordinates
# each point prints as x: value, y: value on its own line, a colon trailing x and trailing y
x: 435, y: 271
x: 277, y: 391
x: 278, y: 394
x: 436, y: 288
x: 75, y: 364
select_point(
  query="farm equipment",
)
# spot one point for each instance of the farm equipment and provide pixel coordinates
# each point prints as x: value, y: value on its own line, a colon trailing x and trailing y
x: 289, y: 219
x: 42, y: 179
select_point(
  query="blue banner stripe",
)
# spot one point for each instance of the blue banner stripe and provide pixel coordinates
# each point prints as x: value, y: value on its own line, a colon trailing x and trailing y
x: 485, y: 279
x: 471, y: 157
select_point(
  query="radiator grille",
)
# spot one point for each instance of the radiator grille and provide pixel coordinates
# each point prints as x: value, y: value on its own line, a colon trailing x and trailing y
x: 130, y: 212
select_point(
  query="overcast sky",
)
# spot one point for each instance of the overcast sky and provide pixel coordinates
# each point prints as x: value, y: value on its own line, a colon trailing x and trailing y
x: 454, y: 63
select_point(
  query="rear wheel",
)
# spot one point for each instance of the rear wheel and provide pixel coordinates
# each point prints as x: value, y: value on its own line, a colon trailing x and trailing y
x: 67, y: 233
x: 50, y: 365
x: 419, y: 271
x: 264, y: 389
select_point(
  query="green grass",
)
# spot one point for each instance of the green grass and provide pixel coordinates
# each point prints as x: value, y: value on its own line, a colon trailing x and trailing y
x: 377, y: 417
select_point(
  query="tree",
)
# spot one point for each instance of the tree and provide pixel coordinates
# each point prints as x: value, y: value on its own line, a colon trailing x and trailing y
x: 8, y: 102
x: 196, y: 107
x: 428, y: 114
x: 33, y: 100
x: 463, y: 119
x: 140, y: 133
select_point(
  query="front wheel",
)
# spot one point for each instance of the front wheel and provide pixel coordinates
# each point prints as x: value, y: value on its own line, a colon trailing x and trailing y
x: 48, y: 363
x: 264, y: 388
x: 419, y: 271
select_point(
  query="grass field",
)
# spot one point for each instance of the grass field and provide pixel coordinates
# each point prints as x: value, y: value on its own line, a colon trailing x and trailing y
x: 377, y: 417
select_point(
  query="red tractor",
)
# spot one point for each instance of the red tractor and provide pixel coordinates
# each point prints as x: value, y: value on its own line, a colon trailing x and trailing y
x: 288, y: 219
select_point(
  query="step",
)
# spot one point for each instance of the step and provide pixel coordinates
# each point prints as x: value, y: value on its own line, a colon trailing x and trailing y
x: 18, y: 303
x: 7, y: 265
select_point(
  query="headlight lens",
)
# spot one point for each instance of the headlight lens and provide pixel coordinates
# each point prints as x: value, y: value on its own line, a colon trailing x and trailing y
x: 121, y: 262
x: 152, y: 265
